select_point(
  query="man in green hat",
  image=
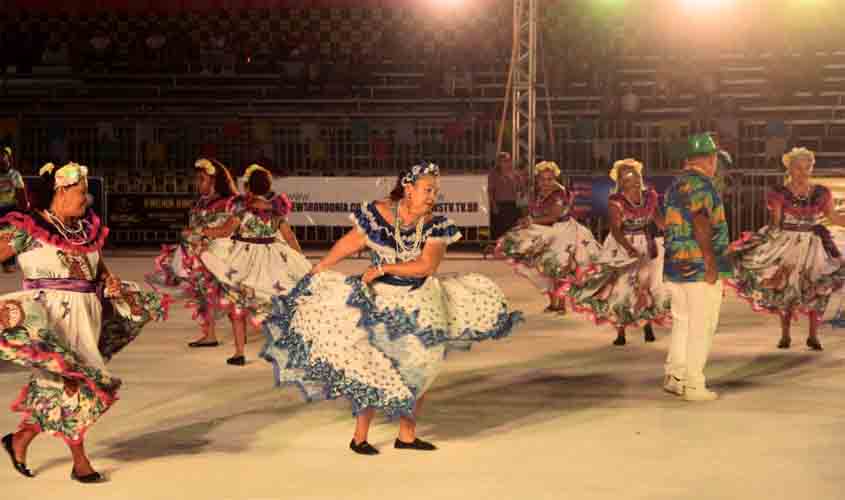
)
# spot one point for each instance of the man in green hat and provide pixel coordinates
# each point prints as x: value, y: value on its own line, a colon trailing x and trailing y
x: 696, y: 240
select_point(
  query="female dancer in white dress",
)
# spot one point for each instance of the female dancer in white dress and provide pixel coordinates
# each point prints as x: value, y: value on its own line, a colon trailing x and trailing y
x: 380, y: 339
x: 625, y: 286
x: 179, y: 270
x: 254, y: 255
x: 549, y: 246
x: 71, y: 318
x: 792, y: 266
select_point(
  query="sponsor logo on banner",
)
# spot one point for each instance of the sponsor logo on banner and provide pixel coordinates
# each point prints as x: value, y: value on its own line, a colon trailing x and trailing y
x: 327, y: 201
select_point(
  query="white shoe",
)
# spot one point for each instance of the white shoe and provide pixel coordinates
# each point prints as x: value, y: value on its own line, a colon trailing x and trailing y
x: 699, y: 394
x: 673, y: 385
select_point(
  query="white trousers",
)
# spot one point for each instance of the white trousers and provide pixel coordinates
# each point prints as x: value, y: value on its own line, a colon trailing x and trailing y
x: 695, y: 316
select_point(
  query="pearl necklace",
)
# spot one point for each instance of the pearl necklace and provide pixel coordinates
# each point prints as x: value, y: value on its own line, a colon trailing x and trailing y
x: 403, y: 250
x: 74, y: 236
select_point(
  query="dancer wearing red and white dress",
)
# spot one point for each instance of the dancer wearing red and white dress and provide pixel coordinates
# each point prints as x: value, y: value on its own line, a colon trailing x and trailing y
x: 792, y: 266
x: 625, y: 286
x: 178, y: 268
x: 549, y: 246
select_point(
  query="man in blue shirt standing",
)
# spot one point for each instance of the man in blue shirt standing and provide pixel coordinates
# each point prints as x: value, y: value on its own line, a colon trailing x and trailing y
x: 695, y: 242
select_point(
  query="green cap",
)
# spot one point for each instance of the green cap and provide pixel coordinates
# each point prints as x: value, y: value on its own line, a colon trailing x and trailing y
x: 700, y: 144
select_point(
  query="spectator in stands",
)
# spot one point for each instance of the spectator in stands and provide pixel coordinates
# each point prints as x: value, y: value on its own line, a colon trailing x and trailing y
x: 102, y: 49
x: 504, y: 186
x: 56, y: 53
x: 155, y: 44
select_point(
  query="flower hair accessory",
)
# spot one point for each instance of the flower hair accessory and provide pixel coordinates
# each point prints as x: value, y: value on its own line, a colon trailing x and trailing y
x: 255, y: 168
x: 627, y: 162
x: 206, y: 166
x: 7, y: 151
x: 798, y: 153
x: 46, y: 169
x: 422, y: 169
x: 70, y: 174
x: 547, y: 165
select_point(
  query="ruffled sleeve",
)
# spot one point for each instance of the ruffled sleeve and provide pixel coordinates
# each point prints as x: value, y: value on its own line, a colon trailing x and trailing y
x: 442, y: 229
x: 371, y: 224
x: 825, y: 198
x: 281, y: 205
x: 774, y: 198
x: 17, y: 238
x: 39, y: 230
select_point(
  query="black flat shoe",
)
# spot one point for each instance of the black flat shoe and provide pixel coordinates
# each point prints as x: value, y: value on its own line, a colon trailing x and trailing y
x: 236, y: 360
x: 364, y: 448
x: 784, y: 343
x: 619, y: 341
x: 649, y: 334
x: 418, y: 444
x: 202, y: 343
x: 94, y: 477
x: 19, y: 466
x: 814, y: 344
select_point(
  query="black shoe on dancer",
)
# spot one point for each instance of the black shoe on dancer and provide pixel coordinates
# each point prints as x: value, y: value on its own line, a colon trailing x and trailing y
x: 362, y: 448
x: 814, y: 344
x: 236, y: 361
x: 19, y: 466
x: 418, y: 444
x: 784, y: 343
x: 649, y: 333
x: 620, y: 337
x: 94, y: 477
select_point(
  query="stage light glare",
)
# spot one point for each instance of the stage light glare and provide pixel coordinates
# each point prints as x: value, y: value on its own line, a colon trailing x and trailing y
x: 447, y: 4
x: 697, y: 4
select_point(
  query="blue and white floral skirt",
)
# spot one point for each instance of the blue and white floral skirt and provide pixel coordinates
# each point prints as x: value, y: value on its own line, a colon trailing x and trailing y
x: 379, y: 346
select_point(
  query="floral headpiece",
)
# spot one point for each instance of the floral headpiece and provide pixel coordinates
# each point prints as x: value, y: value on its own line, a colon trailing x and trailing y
x: 206, y: 166
x: 547, y: 165
x: 46, y: 169
x: 7, y: 151
x: 798, y: 153
x: 422, y: 169
x: 68, y: 175
x: 627, y: 162
x: 255, y: 168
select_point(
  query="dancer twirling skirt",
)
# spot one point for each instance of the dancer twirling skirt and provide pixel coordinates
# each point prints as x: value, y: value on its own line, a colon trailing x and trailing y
x: 625, y: 286
x: 71, y: 318
x: 380, y: 340
x: 179, y: 270
x: 549, y: 246
x: 254, y: 255
x: 792, y: 265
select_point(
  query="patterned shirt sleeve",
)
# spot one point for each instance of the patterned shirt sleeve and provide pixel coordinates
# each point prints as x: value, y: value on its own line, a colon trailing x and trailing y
x: 17, y: 179
x: 700, y: 199
x: 18, y: 239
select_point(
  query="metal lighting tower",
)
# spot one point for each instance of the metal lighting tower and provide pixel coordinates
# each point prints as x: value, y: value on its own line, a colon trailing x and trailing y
x: 523, y: 90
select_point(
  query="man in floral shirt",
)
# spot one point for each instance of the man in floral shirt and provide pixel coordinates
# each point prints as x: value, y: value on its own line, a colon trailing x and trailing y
x: 12, y: 193
x: 695, y: 242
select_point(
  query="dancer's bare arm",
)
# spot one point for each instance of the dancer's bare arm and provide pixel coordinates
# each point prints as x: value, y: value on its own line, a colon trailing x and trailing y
x: 422, y: 267
x: 834, y: 217
x: 223, y: 231
x: 289, y: 236
x: 7, y: 251
x: 351, y: 243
